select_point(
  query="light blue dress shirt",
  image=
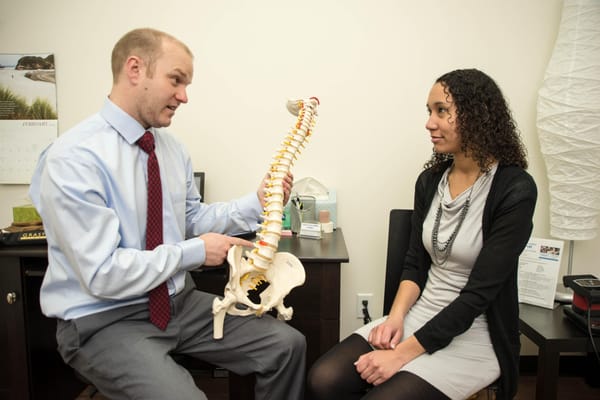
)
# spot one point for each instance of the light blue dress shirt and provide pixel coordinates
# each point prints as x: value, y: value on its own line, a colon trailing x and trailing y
x: 90, y: 189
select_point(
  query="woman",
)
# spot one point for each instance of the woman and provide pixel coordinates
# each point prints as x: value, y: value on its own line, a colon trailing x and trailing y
x: 453, y: 327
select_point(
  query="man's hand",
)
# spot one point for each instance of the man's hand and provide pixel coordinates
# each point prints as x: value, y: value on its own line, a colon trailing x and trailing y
x: 217, y: 245
x: 288, y: 182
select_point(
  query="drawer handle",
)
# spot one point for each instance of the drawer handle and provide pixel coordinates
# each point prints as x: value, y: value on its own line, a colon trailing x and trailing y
x: 11, y: 298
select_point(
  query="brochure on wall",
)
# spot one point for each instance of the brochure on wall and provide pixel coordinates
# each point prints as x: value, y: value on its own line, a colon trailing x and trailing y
x: 28, y: 116
x: 539, y: 265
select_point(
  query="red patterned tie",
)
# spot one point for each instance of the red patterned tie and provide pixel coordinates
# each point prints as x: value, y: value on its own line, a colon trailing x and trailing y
x: 160, y: 309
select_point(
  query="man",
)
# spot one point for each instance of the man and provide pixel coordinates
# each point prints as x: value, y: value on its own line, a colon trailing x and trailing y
x: 92, y: 187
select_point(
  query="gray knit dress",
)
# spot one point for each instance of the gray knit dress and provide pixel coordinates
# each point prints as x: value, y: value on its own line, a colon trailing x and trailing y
x: 468, y: 363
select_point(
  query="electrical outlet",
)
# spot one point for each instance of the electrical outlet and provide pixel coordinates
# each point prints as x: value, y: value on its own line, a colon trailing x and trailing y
x: 360, y: 297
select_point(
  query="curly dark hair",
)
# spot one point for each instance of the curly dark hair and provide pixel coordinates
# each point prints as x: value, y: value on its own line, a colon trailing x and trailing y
x: 483, y: 120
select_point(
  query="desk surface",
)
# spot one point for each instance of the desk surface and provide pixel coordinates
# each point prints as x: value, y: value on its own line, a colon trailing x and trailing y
x: 553, y: 333
x: 331, y: 248
x: 547, y: 327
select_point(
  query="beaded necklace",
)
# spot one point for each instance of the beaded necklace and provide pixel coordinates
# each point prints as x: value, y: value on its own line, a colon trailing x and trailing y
x: 442, y: 250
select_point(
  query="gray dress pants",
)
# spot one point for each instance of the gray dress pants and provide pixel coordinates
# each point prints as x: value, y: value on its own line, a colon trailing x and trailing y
x: 126, y: 357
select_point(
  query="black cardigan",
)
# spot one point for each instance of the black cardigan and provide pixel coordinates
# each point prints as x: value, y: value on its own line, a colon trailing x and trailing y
x: 492, y: 285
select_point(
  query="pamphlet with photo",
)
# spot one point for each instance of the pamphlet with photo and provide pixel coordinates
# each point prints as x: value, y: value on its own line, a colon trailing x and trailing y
x: 539, y: 266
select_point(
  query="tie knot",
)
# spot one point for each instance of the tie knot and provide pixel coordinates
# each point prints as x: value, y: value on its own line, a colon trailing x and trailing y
x: 146, y: 142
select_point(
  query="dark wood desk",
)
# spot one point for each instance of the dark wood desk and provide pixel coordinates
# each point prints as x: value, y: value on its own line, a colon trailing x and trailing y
x: 32, y: 369
x: 553, y: 334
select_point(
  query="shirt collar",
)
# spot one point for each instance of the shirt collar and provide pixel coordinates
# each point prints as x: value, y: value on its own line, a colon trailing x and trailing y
x: 123, y: 123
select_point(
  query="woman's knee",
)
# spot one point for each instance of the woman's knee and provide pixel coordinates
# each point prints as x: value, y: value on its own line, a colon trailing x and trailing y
x: 334, y: 375
x: 326, y: 380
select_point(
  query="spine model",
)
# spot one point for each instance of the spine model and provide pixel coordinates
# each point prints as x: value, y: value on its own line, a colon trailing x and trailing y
x: 264, y: 265
x: 265, y: 248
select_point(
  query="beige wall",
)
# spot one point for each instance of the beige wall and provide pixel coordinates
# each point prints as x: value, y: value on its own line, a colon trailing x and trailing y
x: 371, y: 64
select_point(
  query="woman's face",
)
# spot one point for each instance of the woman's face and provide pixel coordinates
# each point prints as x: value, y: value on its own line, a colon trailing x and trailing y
x: 442, y: 121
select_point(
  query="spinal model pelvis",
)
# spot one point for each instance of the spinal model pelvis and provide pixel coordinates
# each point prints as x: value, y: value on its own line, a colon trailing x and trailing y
x: 263, y: 265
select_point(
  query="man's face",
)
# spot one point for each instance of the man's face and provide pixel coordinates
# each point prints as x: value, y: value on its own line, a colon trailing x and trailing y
x: 164, y: 89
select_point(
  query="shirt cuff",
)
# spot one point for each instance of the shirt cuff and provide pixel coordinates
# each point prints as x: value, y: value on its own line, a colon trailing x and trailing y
x: 193, y: 253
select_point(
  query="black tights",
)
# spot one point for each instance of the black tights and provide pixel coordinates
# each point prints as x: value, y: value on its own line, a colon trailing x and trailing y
x: 334, y: 376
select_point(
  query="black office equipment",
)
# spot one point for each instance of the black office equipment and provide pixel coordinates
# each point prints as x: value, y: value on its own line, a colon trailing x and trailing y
x: 199, y: 179
x: 585, y: 308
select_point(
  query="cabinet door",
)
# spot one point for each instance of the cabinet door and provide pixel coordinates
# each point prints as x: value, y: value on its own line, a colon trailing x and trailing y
x: 13, y: 368
x: 49, y: 377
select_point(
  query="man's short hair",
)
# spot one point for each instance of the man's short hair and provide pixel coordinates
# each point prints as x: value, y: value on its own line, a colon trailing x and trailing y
x: 145, y: 43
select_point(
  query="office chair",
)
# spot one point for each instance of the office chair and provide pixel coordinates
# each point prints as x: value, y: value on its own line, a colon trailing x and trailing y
x: 398, y: 240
